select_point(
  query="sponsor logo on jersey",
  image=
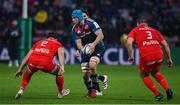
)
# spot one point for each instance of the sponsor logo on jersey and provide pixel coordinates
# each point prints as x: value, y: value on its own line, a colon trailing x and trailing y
x: 42, y: 50
x: 151, y: 42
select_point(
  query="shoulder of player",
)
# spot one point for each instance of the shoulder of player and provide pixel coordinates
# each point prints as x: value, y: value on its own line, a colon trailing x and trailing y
x: 40, y: 41
x: 92, y: 23
x: 153, y: 29
x: 135, y: 29
x: 56, y: 42
x: 90, y: 20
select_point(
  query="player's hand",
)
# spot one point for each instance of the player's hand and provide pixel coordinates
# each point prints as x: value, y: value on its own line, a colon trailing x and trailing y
x: 169, y: 62
x: 131, y: 59
x: 77, y: 53
x: 18, y: 73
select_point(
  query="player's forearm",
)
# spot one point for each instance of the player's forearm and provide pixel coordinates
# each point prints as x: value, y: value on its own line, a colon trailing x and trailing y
x: 129, y: 47
x: 23, y: 63
x: 79, y: 44
x: 80, y: 48
x: 98, y: 40
x: 61, y: 57
x: 99, y: 37
x: 61, y: 62
x: 25, y: 60
x: 167, y: 50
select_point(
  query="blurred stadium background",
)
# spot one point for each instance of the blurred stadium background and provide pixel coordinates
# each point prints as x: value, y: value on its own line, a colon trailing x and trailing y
x: 116, y: 17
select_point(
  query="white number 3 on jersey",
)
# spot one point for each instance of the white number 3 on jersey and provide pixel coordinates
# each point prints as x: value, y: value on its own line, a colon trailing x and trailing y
x: 149, y: 34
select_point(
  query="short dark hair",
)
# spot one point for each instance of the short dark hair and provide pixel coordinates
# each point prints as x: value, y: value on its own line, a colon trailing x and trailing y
x: 52, y: 34
x: 85, y: 11
x: 142, y: 20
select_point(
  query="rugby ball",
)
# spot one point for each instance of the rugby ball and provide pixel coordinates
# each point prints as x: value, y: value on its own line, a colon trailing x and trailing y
x: 86, y: 50
x: 123, y: 39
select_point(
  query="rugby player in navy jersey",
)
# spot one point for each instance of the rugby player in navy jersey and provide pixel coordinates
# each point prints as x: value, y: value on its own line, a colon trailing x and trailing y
x: 87, y: 31
x: 102, y: 78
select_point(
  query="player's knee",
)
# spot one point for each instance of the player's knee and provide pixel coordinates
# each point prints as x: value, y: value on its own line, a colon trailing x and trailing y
x: 60, y: 74
x: 56, y: 71
x: 93, y: 62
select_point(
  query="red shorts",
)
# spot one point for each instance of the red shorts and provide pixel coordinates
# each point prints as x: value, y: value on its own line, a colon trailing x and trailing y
x: 151, y: 62
x: 47, y: 67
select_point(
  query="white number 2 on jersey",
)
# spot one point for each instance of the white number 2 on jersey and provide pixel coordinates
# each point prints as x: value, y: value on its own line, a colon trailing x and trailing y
x: 44, y: 43
x: 149, y: 34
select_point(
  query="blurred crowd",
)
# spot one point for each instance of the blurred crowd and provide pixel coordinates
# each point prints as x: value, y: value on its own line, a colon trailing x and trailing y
x: 116, y: 17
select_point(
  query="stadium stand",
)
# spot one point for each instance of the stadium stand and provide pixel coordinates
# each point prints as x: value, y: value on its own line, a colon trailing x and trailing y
x: 116, y: 17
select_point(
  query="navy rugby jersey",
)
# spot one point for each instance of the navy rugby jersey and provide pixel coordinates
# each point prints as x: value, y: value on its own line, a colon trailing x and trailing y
x: 86, y: 32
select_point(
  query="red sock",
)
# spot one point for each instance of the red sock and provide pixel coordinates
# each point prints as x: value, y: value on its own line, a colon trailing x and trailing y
x: 60, y: 83
x: 149, y: 83
x: 25, y: 80
x: 162, y: 81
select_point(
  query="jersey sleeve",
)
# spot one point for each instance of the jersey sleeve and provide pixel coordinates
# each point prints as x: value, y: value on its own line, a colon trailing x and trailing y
x: 74, y: 35
x: 34, y: 46
x: 161, y: 37
x: 94, y: 25
x: 60, y: 45
x: 132, y: 34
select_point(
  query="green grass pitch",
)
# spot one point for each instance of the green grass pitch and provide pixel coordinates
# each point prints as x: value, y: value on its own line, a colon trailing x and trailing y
x: 125, y: 87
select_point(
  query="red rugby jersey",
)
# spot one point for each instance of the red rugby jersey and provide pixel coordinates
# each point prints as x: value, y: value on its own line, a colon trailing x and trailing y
x: 44, y: 50
x: 147, y: 39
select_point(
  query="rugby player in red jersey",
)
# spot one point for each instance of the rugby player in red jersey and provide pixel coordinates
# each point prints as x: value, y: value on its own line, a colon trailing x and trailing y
x: 149, y: 41
x: 40, y: 57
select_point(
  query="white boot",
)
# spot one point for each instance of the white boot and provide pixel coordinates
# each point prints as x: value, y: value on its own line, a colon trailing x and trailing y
x: 64, y: 92
x: 99, y: 93
x: 19, y: 94
x: 10, y: 63
x: 105, y: 82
